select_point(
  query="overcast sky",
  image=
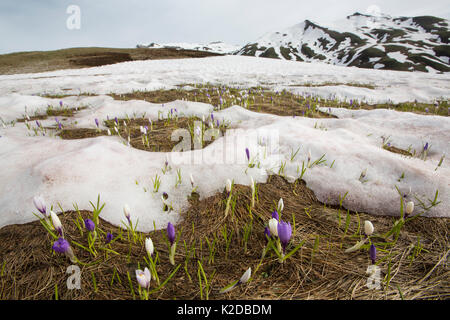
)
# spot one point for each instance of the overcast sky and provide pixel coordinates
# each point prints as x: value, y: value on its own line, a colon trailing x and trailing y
x: 27, y: 25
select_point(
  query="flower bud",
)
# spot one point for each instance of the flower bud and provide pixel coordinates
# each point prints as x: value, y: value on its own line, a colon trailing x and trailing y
x: 368, y: 228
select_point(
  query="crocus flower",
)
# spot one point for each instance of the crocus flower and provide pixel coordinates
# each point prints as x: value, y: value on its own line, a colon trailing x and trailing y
x: 409, y: 208
x: 171, y: 233
x: 247, y: 153
x: 61, y: 245
x: 143, y: 278
x: 228, y: 185
x: 425, y: 148
x: 275, y: 215
x: 126, y: 211
x: 267, y: 233
x: 39, y: 203
x: 246, y: 276
x: 192, y: 180
x: 109, y: 238
x: 149, y: 246
x: 284, y: 233
x: 96, y: 122
x: 273, y: 226
x: 368, y: 228
x: 373, y: 253
x: 89, y: 224
x: 280, y: 204
x: 60, y: 103
x: 56, y: 223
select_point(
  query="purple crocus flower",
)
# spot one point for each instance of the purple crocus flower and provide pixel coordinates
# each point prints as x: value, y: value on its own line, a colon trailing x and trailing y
x: 373, y: 253
x: 116, y: 120
x: 109, y: 238
x: 284, y: 233
x: 267, y: 233
x: 171, y: 233
x: 59, y: 125
x: 275, y: 215
x: 60, y: 103
x: 96, y: 122
x: 38, y: 124
x: 218, y: 123
x: 247, y: 152
x: 427, y: 110
x: 61, y: 245
x: 89, y: 224
x: 425, y: 148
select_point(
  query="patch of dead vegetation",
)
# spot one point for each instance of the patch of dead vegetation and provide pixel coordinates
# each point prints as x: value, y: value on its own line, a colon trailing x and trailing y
x: 42, y: 61
x: 416, y: 264
x: 398, y: 151
x: 281, y: 104
x: 53, y: 112
x: 159, y: 133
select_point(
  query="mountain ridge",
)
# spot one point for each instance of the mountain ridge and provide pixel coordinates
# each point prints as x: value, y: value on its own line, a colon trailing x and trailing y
x: 367, y: 41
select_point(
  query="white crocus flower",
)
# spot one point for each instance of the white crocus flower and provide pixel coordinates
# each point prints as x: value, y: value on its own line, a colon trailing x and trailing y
x: 127, y: 212
x: 149, y: 246
x: 409, y: 207
x: 273, y: 226
x: 228, y: 185
x: 368, y: 228
x: 143, y: 278
x: 39, y: 203
x: 192, y: 180
x: 280, y: 205
x: 246, y: 276
x: 56, y: 223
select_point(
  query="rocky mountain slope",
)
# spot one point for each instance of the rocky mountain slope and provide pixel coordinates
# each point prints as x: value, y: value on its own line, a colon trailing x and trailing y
x: 366, y: 41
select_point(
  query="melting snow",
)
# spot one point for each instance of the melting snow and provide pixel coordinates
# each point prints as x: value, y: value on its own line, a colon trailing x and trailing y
x: 69, y: 171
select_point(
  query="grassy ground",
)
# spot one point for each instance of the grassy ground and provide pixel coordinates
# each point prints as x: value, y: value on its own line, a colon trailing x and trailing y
x: 159, y: 134
x: 224, y: 246
x: 74, y: 58
x: 281, y: 103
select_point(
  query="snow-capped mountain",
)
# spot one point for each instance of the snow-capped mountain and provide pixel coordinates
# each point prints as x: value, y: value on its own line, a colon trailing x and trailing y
x: 216, y: 47
x: 366, y: 41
